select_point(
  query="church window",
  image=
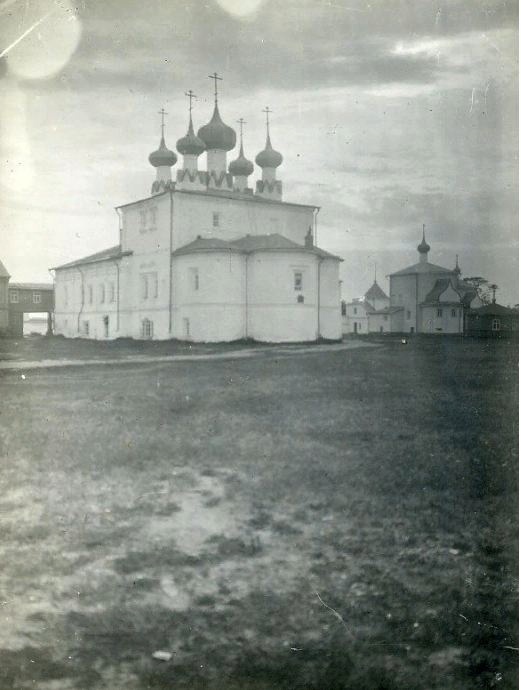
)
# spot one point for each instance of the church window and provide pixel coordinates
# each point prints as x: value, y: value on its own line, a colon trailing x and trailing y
x: 147, y: 328
x: 300, y: 299
x: 385, y: 317
x: 194, y: 278
x: 297, y: 280
x: 453, y: 312
x: 439, y: 313
x: 144, y: 286
x: 13, y: 296
x: 142, y: 221
x: 153, y: 284
x: 354, y: 310
x: 153, y: 216
x: 102, y: 293
x: 495, y: 324
x: 408, y: 314
x: 216, y: 219
x: 90, y: 293
x: 186, y: 324
x: 37, y: 297
x: 86, y: 328
x: 112, y: 292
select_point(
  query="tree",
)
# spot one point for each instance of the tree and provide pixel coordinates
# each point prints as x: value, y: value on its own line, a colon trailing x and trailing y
x: 484, y: 289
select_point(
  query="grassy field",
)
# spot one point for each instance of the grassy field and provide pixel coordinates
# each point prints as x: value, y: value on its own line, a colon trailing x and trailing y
x: 323, y: 521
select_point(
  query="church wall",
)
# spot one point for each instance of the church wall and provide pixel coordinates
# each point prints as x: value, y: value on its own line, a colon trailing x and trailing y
x: 194, y: 215
x: 274, y: 313
x: 450, y: 321
x: 330, y: 314
x: 75, y: 309
x: 209, y: 297
x: 146, y: 225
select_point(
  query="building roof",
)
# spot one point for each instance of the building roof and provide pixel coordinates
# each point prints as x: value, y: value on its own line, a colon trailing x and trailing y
x: 3, y: 271
x: 105, y: 255
x: 494, y: 310
x: 255, y: 198
x: 251, y: 243
x: 387, y: 310
x: 438, y: 289
x: 375, y: 292
x: 31, y: 286
x: 421, y: 267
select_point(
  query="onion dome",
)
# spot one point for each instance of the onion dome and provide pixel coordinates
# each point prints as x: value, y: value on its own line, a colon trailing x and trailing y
x: 423, y: 247
x: 269, y: 158
x: 190, y: 144
x: 163, y: 156
x: 241, y: 165
x: 217, y: 135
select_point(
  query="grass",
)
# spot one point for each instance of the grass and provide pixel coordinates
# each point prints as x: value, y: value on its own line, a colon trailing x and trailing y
x: 324, y: 521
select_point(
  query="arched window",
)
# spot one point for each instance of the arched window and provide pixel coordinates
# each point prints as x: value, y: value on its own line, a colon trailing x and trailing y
x: 147, y: 328
x: 495, y: 324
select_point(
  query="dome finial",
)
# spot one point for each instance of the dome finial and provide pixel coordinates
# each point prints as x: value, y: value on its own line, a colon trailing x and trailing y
x: 190, y: 144
x: 267, y: 111
x: 423, y: 247
x: 241, y: 166
x: 215, y: 78
x: 163, y: 156
x: 457, y: 269
x: 269, y: 158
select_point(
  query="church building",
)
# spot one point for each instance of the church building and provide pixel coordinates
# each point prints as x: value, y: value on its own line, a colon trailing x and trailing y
x: 206, y: 258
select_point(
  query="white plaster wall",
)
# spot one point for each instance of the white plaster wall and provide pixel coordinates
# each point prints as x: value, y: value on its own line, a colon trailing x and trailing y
x: 216, y: 311
x: 432, y: 323
x: 330, y: 298
x: 70, y: 314
x: 380, y: 323
x: 139, y: 239
x: 193, y: 216
x: 274, y: 314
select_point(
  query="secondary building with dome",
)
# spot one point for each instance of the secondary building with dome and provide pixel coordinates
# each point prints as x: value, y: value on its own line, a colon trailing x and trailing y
x: 204, y: 257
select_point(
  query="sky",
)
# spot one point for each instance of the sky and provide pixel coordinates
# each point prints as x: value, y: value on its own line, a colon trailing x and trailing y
x: 390, y: 114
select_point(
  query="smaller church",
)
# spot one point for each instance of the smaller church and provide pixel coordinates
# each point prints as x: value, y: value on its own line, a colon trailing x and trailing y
x: 205, y: 256
x: 424, y: 298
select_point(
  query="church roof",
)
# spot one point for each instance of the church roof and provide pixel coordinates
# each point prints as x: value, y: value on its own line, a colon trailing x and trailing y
x: 31, y: 286
x: 3, y: 271
x: 421, y: 267
x: 375, y: 292
x: 105, y: 255
x: 251, y: 243
x: 438, y: 289
x: 495, y: 310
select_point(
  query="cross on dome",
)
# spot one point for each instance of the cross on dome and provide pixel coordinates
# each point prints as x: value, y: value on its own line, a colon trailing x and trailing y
x: 215, y: 78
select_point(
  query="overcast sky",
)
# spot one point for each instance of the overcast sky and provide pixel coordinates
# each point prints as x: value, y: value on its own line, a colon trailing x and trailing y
x: 389, y: 114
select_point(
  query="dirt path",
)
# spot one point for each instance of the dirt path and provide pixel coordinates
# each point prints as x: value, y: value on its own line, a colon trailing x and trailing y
x: 285, y: 350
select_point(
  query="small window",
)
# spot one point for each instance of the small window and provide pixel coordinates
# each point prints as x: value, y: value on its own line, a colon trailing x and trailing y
x: 453, y: 312
x: 194, y: 278
x: 186, y: 324
x: 439, y: 313
x: 297, y: 280
x: 147, y: 328
x: 144, y: 286
x: 385, y: 317
x: 408, y: 314
x: 91, y: 293
x: 142, y: 221
x: 13, y: 296
x: 112, y: 292
x: 216, y: 219
x: 37, y: 297
x: 355, y: 310
x: 496, y: 325
x: 153, y: 284
x: 86, y: 328
x: 300, y: 299
x: 343, y: 309
x: 102, y: 293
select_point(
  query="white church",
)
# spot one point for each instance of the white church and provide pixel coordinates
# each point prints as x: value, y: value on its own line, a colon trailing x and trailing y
x: 205, y: 257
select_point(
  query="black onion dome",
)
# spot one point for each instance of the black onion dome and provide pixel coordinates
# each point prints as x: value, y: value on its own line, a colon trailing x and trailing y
x: 423, y: 247
x: 163, y: 156
x: 217, y: 135
x: 190, y: 144
x: 241, y: 165
x: 269, y: 158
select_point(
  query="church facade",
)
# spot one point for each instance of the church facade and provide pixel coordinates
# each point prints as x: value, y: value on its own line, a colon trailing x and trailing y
x: 205, y: 257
